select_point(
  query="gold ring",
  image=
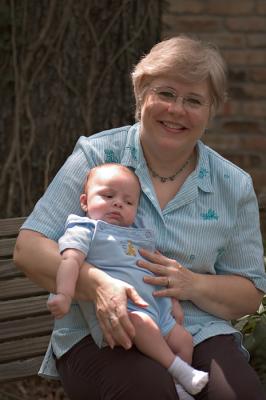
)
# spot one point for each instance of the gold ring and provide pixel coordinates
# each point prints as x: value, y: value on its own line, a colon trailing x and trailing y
x: 111, y: 319
x: 168, y: 282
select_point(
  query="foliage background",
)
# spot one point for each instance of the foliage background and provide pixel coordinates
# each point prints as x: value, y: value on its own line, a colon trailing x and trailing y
x: 65, y: 72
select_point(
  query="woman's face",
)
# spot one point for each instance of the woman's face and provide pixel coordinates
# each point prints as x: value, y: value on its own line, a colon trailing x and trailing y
x: 174, y: 115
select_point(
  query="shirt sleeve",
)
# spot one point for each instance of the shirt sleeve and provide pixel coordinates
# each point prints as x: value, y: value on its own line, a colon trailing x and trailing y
x: 78, y: 234
x: 62, y: 195
x: 244, y: 253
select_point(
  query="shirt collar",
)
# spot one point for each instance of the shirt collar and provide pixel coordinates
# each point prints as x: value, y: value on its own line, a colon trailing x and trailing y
x: 203, y: 171
x: 133, y: 157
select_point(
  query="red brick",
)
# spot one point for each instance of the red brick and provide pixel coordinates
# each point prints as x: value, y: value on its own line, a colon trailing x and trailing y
x: 230, y: 7
x: 242, y: 57
x: 261, y: 7
x: 259, y: 178
x: 257, y: 40
x: 186, y: 6
x: 226, y: 39
x: 249, y: 91
x: 247, y: 75
x: 239, y: 143
x: 257, y: 74
x: 175, y: 25
x: 242, y: 127
x: 231, y: 108
x: 246, y: 24
x: 254, y: 108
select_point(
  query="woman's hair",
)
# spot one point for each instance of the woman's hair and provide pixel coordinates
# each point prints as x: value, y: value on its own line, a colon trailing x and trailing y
x: 186, y: 59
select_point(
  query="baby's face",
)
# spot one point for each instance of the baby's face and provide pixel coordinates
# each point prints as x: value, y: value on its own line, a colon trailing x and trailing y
x: 113, y: 196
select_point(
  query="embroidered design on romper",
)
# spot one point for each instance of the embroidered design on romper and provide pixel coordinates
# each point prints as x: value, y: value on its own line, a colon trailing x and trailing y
x: 209, y: 215
x: 131, y: 251
x: 109, y: 156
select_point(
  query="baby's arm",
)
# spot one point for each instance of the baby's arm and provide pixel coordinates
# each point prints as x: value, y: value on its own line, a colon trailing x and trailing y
x: 66, y: 279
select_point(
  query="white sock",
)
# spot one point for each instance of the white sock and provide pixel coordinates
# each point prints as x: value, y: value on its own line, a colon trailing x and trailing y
x: 190, y: 378
x: 182, y: 394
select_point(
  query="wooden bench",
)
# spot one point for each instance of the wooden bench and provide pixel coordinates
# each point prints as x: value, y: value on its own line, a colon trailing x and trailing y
x: 25, y: 323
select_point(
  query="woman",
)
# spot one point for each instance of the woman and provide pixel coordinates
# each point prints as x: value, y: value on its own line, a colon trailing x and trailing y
x: 205, y: 216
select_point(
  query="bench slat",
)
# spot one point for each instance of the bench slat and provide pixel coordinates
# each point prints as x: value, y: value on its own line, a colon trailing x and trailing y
x: 10, y: 226
x: 32, y: 326
x: 9, y: 270
x: 21, y: 308
x: 20, y: 369
x: 19, y: 287
x: 7, y: 247
x: 25, y: 322
x: 23, y: 348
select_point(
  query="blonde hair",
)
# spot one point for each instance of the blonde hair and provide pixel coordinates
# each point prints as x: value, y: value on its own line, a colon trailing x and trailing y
x: 186, y: 59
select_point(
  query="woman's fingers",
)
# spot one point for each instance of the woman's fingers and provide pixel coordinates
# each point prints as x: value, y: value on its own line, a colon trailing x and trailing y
x: 154, y: 257
x: 174, y: 279
x: 133, y: 295
x: 111, y: 309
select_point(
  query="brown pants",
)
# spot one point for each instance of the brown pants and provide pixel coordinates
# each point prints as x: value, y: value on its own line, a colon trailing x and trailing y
x: 90, y: 373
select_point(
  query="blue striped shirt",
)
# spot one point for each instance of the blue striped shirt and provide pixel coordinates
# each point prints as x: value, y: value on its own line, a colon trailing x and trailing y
x: 211, y: 225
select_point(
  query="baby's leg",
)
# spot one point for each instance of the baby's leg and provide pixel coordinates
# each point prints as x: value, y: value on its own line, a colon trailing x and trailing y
x: 190, y: 378
x: 149, y: 340
x: 181, y: 342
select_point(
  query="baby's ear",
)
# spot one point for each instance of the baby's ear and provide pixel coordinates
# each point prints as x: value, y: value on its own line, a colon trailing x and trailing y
x: 83, y: 202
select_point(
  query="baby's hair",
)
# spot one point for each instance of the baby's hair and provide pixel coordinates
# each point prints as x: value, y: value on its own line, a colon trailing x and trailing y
x: 108, y: 165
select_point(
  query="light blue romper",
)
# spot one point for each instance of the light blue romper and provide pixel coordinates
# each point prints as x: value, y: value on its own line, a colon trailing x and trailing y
x: 114, y: 249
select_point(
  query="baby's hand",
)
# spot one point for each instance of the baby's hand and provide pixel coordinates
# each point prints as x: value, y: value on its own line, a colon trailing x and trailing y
x: 59, y: 305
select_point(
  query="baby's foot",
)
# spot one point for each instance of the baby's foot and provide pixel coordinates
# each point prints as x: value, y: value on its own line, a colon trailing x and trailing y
x: 190, y: 378
x: 199, y: 380
x: 182, y: 394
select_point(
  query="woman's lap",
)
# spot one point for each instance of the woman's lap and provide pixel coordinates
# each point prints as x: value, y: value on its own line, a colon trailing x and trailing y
x: 230, y: 375
x: 88, y: 373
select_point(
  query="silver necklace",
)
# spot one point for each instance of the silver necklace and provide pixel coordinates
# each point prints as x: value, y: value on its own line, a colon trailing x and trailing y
x: 164, y: 179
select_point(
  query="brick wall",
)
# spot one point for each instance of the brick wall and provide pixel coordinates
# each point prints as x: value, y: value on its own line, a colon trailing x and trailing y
x: 239, y: 29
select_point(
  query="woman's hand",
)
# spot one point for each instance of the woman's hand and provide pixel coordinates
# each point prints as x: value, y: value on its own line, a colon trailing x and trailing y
x: 225, y: 296
x: 110, y: 299
x: 177, y: 281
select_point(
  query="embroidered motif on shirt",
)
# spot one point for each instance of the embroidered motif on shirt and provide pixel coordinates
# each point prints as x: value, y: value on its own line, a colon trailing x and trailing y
x: 209, y: 215
x: 109, y: 156
x: 220, y: 251
x: 133, y: 152
x: 226, y: 176
x: 192, y: 257
x: 202, y: 173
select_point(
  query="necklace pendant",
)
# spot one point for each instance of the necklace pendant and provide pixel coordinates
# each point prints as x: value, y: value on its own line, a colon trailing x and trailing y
x: 171, y: 178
